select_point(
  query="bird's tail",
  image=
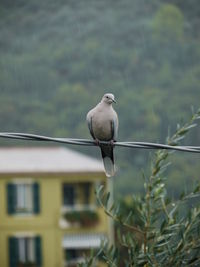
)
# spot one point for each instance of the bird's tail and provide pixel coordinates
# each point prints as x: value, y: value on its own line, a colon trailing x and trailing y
x: 108, y: 160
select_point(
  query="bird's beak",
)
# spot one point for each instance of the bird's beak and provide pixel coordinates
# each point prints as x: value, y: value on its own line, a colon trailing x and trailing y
x: 114, y: 101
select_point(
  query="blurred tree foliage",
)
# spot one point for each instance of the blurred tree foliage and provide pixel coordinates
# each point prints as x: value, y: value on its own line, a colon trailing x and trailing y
x: 168, y: 24
x: 57, y: 59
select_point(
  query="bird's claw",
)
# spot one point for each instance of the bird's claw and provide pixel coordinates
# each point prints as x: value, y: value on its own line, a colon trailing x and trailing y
x: 96, y: 142
x: 112, y: 143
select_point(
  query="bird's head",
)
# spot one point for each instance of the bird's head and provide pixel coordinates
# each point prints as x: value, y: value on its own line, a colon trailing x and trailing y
x: 108, y: 99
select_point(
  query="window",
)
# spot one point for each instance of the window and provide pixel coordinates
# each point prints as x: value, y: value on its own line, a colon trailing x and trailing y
x: 74, y: 256
x: 86, y: 192
x: 23, y: 198
x: 76, y: 194
x: 77, y: 246
x: 71, y: 254
x: 25, y: 251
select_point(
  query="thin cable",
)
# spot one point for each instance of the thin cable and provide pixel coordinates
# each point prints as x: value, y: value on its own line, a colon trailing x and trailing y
x: 86, y: 142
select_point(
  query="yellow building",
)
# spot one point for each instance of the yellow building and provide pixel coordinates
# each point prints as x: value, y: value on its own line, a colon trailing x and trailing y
x: 48, y: 212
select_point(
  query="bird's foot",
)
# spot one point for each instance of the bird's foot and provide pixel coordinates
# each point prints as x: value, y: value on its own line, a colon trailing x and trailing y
x: 96, y: 142
x: 112, y: 143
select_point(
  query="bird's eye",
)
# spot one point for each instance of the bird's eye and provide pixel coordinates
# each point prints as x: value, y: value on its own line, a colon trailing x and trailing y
x: 107, y: 97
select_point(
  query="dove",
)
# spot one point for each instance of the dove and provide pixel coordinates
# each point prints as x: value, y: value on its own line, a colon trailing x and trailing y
x: 102, y: 122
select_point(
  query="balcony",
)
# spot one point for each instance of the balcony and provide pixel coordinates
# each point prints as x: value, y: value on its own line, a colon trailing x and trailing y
x: 78, y: 208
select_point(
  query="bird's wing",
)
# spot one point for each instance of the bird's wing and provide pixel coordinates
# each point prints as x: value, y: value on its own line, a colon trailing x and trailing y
x: 114, y: 127
x: 89, y: 122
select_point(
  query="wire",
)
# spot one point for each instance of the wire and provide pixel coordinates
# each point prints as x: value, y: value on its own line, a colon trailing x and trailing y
x: 86, y: 142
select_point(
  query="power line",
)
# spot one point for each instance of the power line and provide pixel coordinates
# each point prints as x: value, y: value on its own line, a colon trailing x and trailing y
x: 87, y: 142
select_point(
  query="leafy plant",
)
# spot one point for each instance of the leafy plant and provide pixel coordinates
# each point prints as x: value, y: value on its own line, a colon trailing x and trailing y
x: 84, y: 217
x: 165, y: 232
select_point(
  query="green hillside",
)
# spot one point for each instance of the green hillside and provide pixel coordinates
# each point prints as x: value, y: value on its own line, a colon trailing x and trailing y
x: 57, y: 59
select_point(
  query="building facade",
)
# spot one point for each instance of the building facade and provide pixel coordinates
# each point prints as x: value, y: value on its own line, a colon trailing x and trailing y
x: 49, y: 216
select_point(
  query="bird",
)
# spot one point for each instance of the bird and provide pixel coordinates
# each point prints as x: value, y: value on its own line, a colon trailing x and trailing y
x: 103, y: 123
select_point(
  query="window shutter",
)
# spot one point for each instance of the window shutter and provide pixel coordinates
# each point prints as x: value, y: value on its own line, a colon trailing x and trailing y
x: 69, y: 194
x: 11, y: 198
x: 13, y: 252
x: 36, y: 198
x: 38, y: 251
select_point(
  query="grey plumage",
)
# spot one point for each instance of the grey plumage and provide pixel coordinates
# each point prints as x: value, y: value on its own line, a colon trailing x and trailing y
x: 103, y: 125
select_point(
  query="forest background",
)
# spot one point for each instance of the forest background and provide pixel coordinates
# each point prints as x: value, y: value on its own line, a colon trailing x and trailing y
x: 57, y: 59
